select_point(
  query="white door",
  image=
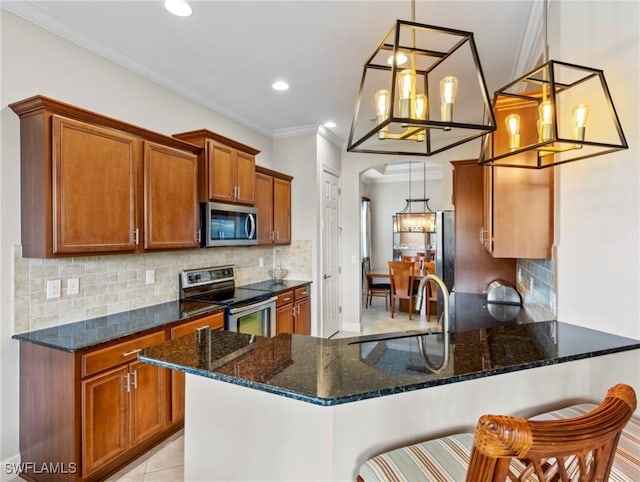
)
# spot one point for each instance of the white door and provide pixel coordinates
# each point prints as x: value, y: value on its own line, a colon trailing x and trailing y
x: 330, y: 255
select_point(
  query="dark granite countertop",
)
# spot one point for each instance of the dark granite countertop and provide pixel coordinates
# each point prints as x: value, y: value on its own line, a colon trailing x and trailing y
x: 335, y: 371
x: 86, y: 334
x: 276, y: 285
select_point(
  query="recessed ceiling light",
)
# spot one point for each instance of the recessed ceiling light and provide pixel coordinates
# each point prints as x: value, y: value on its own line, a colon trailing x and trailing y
x: 330, y: 124
x: 400, y: 59
x: 178, y: 7
x: 280, y: 85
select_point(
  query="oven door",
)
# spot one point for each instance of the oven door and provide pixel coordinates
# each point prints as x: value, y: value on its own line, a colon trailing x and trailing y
x: 254, y: 319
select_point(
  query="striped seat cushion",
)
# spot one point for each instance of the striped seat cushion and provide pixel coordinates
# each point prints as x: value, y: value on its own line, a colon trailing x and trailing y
x: 626, y: 464
x: 446, y: 459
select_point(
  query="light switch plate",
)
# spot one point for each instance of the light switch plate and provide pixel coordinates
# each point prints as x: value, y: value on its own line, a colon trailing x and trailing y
x: 150, y: 277
x: 73, y: 286
x: 53, y: 288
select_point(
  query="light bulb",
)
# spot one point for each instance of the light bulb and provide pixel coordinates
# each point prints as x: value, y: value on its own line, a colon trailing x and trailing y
x: 580, y: 113
x: 513, y: 128
x: 382, y: 101
x: 406, y: 83
x: 545, y: 120
x: 420, y: 106
x: 448, y: 91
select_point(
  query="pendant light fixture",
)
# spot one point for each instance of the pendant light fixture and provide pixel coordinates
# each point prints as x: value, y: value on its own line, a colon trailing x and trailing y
x: 543, y: 117
x: 420, y: 220
x: 422, y: 92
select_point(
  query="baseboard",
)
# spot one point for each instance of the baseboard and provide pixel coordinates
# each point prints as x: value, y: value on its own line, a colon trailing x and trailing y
x: 9, y: 468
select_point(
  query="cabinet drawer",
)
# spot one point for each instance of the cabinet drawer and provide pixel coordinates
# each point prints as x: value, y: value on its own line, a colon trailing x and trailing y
x: 213, y: 322
x: 284, y: 298
x: 302, y: 292
x: 122, y: 352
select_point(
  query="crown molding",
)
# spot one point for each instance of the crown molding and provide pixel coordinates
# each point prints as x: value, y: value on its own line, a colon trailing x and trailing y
x: 331, y: 137
x: 531, y: 42
x: 307, y: 130
x: 40, y: 16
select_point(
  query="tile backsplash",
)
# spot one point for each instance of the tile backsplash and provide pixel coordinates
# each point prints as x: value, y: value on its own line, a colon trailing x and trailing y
x: 111, y: 284
x: 537, y: 285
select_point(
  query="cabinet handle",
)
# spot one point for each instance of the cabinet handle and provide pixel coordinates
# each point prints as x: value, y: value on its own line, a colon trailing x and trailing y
x: 278, y: 235
x: 272, y: 236
x: 135, y: 236
x: 132, y: 352
x: 198, y: 234
x: 127, y: 386
x: 238, y: 192
x: 286, y: 300
x: 482, y: 235
x: 202, y: 328
x: 134, y: 383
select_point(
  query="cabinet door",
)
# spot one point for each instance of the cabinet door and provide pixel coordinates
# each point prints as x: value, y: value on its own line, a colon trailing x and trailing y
x: 284, y: 319
x: 104, y: 419
x: 213, y: 322
x: 303, y: 316
x: 486, y: 231
x: 170, y: 198
x: 245, y: 172
x: 282, y: 211
x: 94, y: 185
x: 148, y: 400
x: 522, y: 213
x: 264, y: 204
x: 221, y: 172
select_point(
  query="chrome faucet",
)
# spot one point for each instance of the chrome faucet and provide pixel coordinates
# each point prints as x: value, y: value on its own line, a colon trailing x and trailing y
x: 445, y: 295
x: 445, y: 324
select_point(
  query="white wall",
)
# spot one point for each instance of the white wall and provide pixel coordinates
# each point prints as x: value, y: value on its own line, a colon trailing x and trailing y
x: 37, y: 62
x: 598, y: 223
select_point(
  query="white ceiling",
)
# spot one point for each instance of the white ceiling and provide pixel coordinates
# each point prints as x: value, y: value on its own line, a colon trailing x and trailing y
x: 228, y: 53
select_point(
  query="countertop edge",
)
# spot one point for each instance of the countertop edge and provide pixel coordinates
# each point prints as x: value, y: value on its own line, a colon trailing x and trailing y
x: 386, y: 391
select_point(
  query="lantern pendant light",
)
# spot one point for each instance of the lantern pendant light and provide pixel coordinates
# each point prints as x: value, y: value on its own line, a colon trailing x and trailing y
x: 542, y: 117
x: 398, y: 110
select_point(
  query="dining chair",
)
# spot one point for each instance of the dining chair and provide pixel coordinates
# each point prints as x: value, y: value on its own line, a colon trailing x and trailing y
x: 401, y: 277
x: 382, y: 290
x: 503, y: 448
x: 431, y: 293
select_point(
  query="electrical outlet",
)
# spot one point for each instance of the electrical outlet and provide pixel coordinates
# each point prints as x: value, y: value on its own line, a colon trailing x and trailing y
x: 150, y: 277
x: 73, y: 286
x: 53, y: 288
x: 530, y: 283
x: 261, y: 262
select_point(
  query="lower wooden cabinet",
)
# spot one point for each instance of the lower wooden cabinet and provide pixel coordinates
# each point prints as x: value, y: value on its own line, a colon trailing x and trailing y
x: 93, y: 411
x: 293, y: 311
x: 213, y: 322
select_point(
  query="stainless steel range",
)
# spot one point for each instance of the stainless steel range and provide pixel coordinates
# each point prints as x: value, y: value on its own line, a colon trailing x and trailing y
x: 251, y: 311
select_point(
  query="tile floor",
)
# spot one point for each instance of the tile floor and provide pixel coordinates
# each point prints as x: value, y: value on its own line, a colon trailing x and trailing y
x: 165, y: 462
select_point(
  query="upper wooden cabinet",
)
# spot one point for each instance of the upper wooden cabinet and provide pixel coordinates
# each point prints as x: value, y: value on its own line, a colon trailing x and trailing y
x: 227, y: 167
x: 518, y: 203
x: 170, y: 198
x: 273, y: 201
x: 518, y: 212
x: 92, y: 184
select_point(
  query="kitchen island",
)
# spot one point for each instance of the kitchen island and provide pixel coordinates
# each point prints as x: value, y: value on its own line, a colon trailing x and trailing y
x: 302, y: 408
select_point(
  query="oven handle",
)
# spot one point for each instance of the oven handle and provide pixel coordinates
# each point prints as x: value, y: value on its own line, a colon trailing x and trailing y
x: 252, y: 306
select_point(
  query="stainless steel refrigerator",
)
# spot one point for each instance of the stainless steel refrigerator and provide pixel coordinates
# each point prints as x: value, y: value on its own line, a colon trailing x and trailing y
x: 445, y: 247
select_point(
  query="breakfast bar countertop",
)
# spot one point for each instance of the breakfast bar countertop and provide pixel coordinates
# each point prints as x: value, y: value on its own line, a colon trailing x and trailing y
x: 336, y: 371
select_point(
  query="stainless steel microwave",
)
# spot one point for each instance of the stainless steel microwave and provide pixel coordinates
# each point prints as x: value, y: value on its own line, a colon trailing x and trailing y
x: 229, y: 225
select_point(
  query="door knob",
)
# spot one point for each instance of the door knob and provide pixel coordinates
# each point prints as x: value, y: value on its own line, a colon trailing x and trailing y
x: 327, y: 276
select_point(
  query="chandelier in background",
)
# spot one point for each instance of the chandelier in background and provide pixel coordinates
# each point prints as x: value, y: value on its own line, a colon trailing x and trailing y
x: 420, y: 219
x: 416, y: 96
x: 557, y: 113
